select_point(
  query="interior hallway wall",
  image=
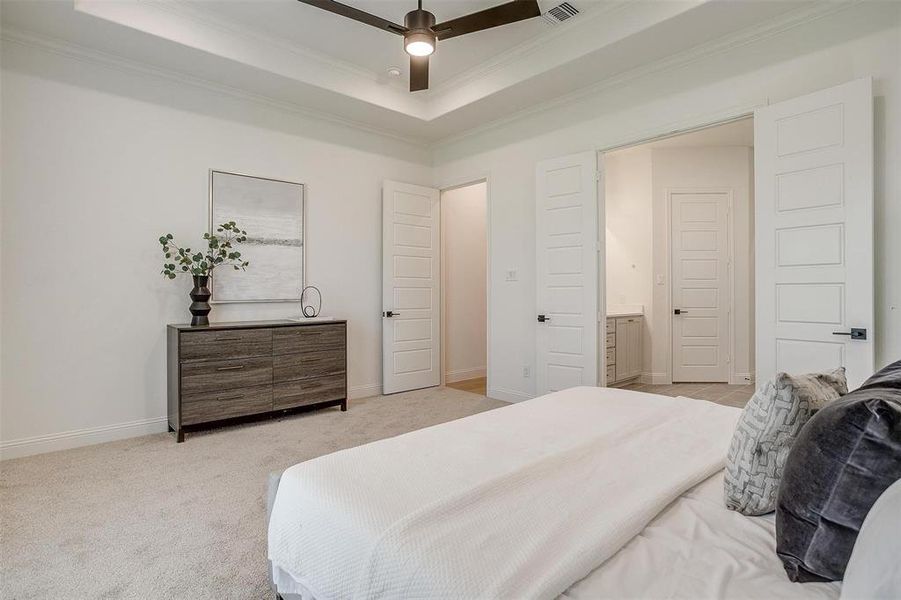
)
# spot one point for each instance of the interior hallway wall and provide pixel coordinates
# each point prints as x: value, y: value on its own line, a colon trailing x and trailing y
x: 465, y: 264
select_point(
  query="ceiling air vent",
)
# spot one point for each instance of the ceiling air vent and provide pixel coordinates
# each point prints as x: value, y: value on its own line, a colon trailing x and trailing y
x: 560, y: 13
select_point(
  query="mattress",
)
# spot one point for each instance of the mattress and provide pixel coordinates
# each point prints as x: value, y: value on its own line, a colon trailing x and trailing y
x: 697, y: 548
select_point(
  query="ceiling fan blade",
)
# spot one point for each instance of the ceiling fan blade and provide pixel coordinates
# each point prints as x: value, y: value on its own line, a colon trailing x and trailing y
x: 503, y: 14
x: 419, y: 73
x: 357, y: 15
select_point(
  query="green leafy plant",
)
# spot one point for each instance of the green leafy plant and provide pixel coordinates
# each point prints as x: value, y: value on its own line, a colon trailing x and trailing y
x: 220, y: 251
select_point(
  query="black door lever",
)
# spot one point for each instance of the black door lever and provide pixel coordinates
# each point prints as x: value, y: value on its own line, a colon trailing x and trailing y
x: 856, y: 333
x: 543, y: 318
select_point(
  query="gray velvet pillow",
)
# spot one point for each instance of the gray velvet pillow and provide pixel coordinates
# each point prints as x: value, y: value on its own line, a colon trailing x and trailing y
x: 766, y: 430
x: 845, y: 458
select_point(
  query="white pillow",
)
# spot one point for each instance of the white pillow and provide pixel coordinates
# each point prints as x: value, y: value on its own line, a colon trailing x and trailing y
x: 873, y: 572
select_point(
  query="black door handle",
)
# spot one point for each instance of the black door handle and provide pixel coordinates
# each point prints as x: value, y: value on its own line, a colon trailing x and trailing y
x: 856, y: 333
x: 543, y: 318
x: 390, y: 314
x: 679, y: 311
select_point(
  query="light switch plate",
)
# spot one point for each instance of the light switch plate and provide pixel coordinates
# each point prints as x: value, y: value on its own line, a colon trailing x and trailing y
x: 511, y: 275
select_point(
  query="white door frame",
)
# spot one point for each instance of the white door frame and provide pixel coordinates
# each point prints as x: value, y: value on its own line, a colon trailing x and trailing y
x: 602, y: 281
x: 445, y: 187
x: 668, y: 284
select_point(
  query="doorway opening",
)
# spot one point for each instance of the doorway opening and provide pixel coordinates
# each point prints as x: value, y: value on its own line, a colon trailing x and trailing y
x: 464, y: 289
x: 679, y: 255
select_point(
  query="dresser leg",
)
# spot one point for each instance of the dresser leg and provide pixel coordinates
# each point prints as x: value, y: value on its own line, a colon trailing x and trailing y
x: 344, y: 406
x: 179, y: 436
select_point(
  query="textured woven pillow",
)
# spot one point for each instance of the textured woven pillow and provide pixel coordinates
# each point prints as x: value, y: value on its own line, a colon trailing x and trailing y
x: 766, y: 430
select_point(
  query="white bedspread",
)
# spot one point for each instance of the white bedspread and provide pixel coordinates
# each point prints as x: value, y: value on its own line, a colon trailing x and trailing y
x: 518, y: 502
x: 700, y: 550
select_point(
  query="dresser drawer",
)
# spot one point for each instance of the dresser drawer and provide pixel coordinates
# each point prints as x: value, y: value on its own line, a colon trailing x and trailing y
x: 308, y: 338
x: 214, y: 375
x: 213, y: 406
x: 217, y: 345
x: 611, y: 340
x: 611, y: 374
x: 308, y: 391
x: 611, y: 356
x: 288, y: 367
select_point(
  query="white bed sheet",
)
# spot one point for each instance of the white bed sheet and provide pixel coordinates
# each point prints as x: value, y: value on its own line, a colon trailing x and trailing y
x: 698, y: 549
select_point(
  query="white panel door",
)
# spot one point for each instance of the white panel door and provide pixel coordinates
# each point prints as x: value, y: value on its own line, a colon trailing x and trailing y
x: 410, y: 287
x: 814, y: 204
x: 567, y: 273
x: 700, y: 275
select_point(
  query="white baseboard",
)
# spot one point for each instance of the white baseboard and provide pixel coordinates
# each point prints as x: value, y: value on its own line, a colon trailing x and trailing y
x: 81, y: 437
x: 655, y: 378
x: 364, y: 391
x: 464, y: 374
x: 508, y: 395
x: 741, y: 379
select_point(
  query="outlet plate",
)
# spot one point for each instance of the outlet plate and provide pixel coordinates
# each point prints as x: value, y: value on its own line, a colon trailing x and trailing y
x: 526, y: 372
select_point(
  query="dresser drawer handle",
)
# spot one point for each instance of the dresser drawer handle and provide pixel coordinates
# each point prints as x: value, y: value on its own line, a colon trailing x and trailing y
x: 237, y: 397
x: 229, y: 339
x: 230, y: 368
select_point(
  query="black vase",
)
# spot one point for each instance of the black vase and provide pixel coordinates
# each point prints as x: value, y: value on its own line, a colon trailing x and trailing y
x: 200, y: 307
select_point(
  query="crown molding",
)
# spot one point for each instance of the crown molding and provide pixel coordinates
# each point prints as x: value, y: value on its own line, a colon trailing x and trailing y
x: 730, y: 41
x: 122, y: 64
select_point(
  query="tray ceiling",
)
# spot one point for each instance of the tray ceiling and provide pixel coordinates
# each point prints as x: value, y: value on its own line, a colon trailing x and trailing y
x: 295, y: 54
x: 369, y: 48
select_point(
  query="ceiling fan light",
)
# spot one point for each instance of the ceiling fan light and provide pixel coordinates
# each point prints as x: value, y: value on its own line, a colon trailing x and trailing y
x: 419, y: 43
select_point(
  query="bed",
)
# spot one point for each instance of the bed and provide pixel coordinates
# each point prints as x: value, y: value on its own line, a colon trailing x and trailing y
x: 583, y: 493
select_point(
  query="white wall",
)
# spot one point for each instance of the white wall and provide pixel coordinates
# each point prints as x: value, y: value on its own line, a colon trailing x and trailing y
x: 727, y: 168
x: 97, y: 164
x: 627, y: 200
x: 863, y: 40
x: 465, y: 263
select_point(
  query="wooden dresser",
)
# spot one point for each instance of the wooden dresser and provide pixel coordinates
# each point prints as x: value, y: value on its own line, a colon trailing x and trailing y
x: 231, y: 371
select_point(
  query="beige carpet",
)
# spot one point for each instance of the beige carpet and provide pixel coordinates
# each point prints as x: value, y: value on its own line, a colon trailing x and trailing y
x: 146, y: 518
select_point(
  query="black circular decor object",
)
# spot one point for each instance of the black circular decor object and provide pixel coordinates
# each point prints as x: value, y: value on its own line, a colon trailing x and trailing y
x: 309, y: 310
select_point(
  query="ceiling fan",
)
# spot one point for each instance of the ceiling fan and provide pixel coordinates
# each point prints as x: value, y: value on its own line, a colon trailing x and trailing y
x: 421, y: 33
